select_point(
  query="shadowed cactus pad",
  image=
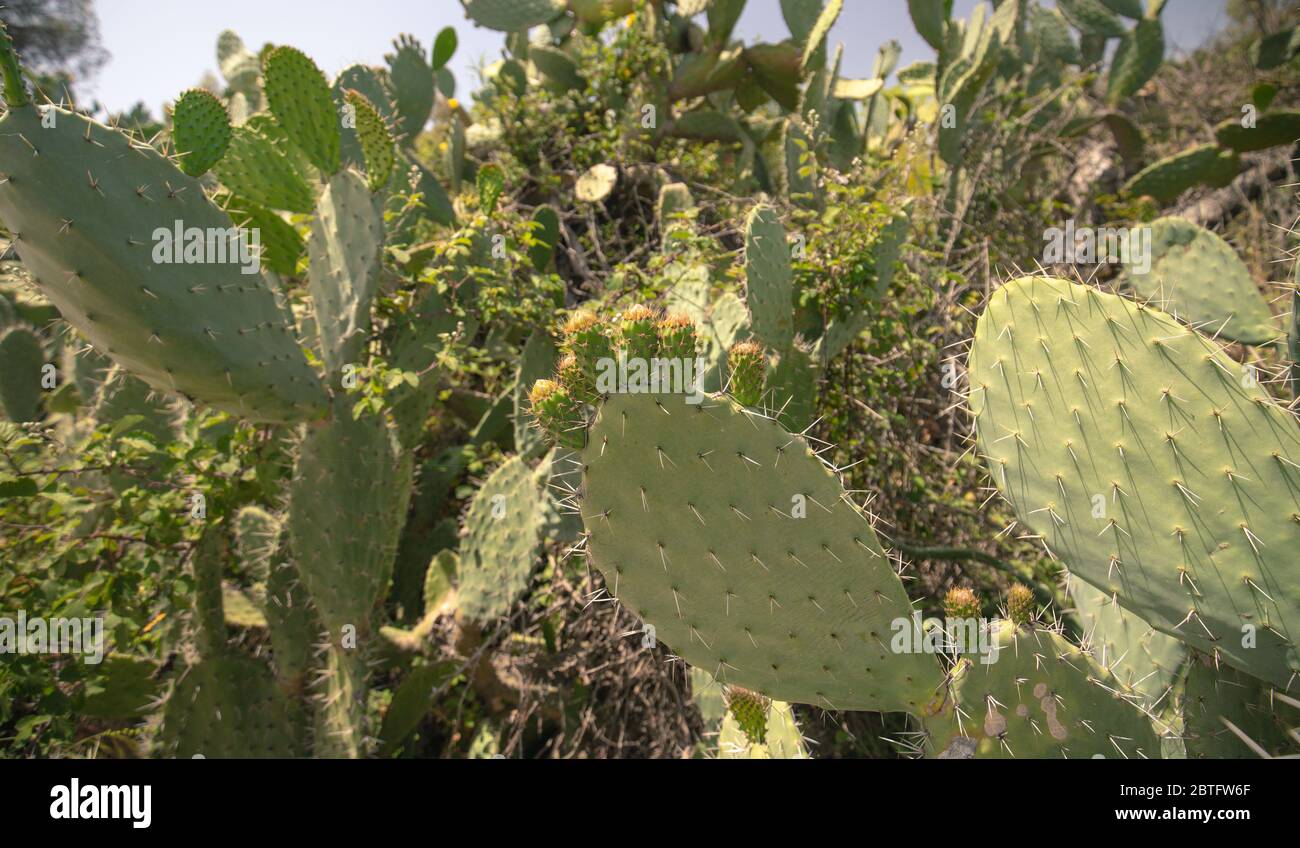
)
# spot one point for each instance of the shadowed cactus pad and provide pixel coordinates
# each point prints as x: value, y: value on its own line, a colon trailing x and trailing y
x: 503, y: 528
x: 21, y: 357
x: 1149, y: 463
x: 723, y: 531
x: 88, y: 219
x: 1042, y: 697
x: 226, y: 707
x: 1166, y: 179
x: 1197, y: 276
x: 1144, y: 659
x: 782, y: 741
x: 1224, y: 708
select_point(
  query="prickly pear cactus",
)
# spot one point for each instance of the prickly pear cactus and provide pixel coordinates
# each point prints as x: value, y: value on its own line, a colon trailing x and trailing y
x: 1230, y: 714
x: 299, y: 97
x: 1040, y: 696
x: 513, y: 15
x: 22, y: 356
x: 1197, y: 276
x: 503, y: 528
x: 1148, y: 461
x: 1166, y: 179
x: 1145, y: 660
x: 782, y: 738
x: 87, y: 219
x: 728, y: 535
x: 200, y: 131
x: 345, y: 253
x: 347, y: 503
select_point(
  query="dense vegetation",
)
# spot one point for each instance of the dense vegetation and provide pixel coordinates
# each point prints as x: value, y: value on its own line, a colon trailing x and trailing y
x: 371, y: 500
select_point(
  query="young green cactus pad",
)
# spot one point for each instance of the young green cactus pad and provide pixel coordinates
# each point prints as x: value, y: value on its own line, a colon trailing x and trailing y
x: 769, y: 280
x: 1165, y: 180
x: 21, y: 358
x: 299, y: 97
x: 503, y: 530
x: 1197, y: 277
x: 200, y: 130
x: 783, y: 741
x: 1148, y: 461
x: 344, y: 253
x: 728, y: 535
x: 747, y: 364
x: 1230, y: 714
x: 226, y: 707
x: 1141, y: 657
x: 347, y: 504
x: 1040, y: 696
x: 95, y: 217
x: 254, y: 167
x: 281, y: 244
x: 1022, y: 609
x: 375, y: 139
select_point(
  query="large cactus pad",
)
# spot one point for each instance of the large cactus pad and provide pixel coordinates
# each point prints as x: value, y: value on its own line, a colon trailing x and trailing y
x: 1149, y: 461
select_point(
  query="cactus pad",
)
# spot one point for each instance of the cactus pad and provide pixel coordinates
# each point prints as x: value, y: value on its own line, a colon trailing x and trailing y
x: 375, y: 140
x: 344, y: 252
x: 256, y: 168
x: 88, y: 215
x: 1196, y: 276
x: 769, y: 280
x: 1166, y: 179
x: 1219, y: 703
x: 1148, y: 462
x: 299, y: 97
x: 351, y: 485
x: 503, y: 530
x: 1042, y: 697
x: 783, y: 739
x: 412, y: 78
x: 1141, y: 657
x: 21, y: 357
x: 513, y: 15
x: 200, y: 130
x: 226, y: 707
x: 691, y: 517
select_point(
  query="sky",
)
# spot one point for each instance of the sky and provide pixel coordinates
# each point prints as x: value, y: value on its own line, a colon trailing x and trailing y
x: 161, y: 48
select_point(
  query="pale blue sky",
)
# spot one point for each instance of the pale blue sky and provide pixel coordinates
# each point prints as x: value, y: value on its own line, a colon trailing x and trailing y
x: 161, y: 48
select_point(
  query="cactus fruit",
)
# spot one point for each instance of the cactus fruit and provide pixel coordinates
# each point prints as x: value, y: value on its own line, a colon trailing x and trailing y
x: 22, y: 355
x: 738, y: 593
x: 747, y: 365
x: 1040, y: 697
x: 200, y: 131
x: 375, y: 140
x: 587, y: 338
x: 783, y: 741
x: 769, y: 288
x: 1147, y: 461
x: 412, y: 78
x: 1022, y: 609
x: 347, y: 503
x: 961, y: 602
x: 513, y: 15
x: 1166, y: 179
x: 677, y: 337
x: 299, y: 97
x: 503, y: 529
x: 749, y: 710
x: 345, y: 252
x: 255, y: 167
x: 1196, y: 276
x: 639, y: 332
x: 558, y: 412
x: 205, y: 330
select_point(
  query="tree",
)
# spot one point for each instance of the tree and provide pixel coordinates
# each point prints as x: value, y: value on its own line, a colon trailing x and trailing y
x: 56, y: 38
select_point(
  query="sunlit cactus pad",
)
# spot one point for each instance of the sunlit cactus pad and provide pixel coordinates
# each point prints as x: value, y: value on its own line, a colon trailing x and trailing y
x: 1149, y: 462
x: 690, y: 515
